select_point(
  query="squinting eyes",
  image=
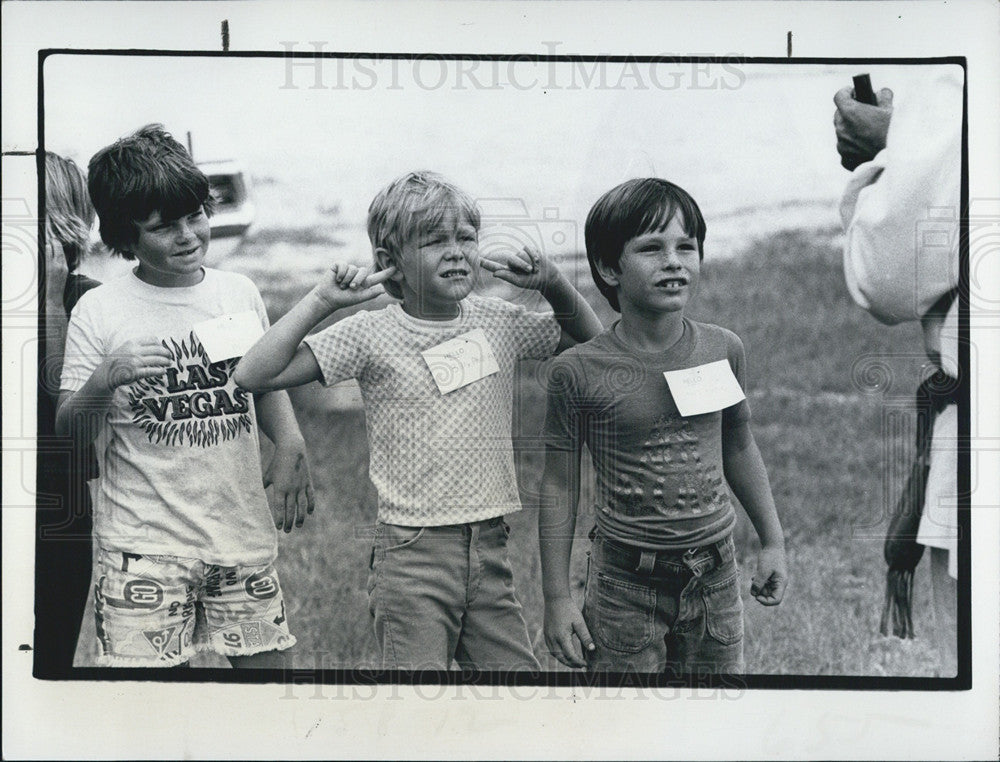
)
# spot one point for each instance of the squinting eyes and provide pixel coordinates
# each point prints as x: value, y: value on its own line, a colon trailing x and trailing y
x: 441, y: 241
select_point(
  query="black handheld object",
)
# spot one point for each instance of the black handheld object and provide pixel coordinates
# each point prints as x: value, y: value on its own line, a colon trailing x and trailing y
x: 863, y: 92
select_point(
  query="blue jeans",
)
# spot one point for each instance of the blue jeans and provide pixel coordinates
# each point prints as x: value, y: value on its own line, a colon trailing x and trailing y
x: 446, y: 593
x: 669, y: 611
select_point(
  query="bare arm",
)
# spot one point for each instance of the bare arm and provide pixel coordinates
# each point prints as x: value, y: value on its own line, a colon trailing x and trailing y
x: 80, y: 414
x: 279, y: 360
x: 288, y: 471
x: 574, y: 314
x: 560, y: 495
x: 747, y: 476
x: 528, y: 269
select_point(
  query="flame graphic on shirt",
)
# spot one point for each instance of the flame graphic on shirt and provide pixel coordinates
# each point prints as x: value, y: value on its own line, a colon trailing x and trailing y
x: 227, y: 420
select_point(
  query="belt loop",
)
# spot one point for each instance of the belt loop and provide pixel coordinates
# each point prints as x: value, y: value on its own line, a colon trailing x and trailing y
x: 694, y: 562
x: 721, y: 551
x: 647, y: 560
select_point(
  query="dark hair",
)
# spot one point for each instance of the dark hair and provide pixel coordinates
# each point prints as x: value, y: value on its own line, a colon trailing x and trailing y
x: 69, y: 214
x: 629, y: 210
x: 143, y: 173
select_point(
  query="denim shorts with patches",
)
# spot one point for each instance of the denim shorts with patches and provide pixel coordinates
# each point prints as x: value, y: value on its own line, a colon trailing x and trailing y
x: 678, y: 612
x: 159, y: 611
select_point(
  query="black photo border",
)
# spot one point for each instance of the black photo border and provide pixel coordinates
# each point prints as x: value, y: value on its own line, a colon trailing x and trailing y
x: 53, y: 616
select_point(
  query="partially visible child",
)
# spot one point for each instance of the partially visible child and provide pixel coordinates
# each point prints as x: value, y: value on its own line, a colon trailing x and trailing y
x: 69, y: 216
x: 658, y: 401
x: 436, y: 372
x: 186, y: 538
x: 63, y: 549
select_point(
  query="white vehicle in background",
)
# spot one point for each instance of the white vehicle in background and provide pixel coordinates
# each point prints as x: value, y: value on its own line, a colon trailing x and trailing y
x: 234, y: 209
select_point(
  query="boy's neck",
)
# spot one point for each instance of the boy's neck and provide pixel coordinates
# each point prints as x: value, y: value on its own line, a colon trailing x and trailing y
x: 425, y: 310
x: 650, y: 331
x: 169, y: 281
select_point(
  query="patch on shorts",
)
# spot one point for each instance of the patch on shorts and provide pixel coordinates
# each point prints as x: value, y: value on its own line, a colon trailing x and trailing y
x: 251, y: 634
x: 261, y: 585
x: 161, y: 640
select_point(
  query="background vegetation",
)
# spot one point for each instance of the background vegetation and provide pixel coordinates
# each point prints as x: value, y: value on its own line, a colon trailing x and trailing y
x: 830, y: 390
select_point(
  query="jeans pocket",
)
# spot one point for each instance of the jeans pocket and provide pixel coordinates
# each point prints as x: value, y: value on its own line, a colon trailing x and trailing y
x: 621, y: 613
x: 392, y: 537
x: 724, y: 610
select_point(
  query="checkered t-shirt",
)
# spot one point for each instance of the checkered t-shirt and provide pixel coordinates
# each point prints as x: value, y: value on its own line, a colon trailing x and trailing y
x: 436, y: 457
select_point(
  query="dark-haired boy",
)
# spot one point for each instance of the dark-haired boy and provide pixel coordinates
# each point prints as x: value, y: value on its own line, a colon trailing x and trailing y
x: 658, y: 400
x: 186, y: 539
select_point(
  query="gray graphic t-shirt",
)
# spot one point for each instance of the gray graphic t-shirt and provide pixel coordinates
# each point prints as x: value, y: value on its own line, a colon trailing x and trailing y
x: 179, y: 453
x: 660, y: 483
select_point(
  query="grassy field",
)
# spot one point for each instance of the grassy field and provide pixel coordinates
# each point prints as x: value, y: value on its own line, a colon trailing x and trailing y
x: 827, y: 386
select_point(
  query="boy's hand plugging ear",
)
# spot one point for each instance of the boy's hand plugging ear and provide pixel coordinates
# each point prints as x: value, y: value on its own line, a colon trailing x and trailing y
x: 769, y: 580
x: 525, y: 268
x: 344, y: 285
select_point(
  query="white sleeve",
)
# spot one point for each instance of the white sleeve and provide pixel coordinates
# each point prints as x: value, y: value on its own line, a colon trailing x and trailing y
x: 901, y: 210
x: 85, y: 349
x: 259, y: 308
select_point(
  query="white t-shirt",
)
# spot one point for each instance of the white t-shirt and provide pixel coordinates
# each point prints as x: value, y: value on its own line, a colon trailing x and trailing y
x: 179, y: 453
x: 436, y: 458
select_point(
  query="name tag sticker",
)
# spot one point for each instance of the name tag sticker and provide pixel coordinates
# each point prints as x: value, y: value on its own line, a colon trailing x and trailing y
x: 230, y: 335
x: 460, y: 361
x: 704, y: 388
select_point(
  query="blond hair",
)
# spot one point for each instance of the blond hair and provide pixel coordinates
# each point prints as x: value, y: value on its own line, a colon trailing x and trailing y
x: 69, y: 215
x: 411, y: 205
